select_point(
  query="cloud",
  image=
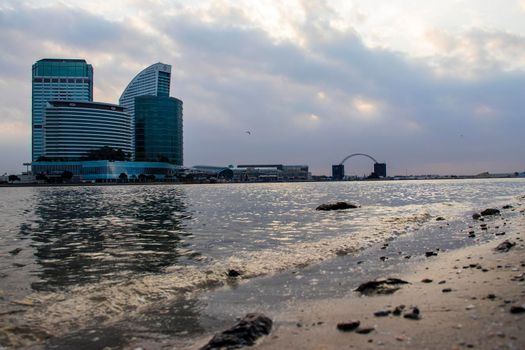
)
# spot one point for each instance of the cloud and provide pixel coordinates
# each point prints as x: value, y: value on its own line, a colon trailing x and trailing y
x: 476, y: 52
x: 364, y: 106
x: 308, y: 87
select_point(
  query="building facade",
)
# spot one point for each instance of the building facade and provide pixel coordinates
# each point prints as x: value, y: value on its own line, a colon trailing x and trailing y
x: 73, y: 128
x: 154, y: 81
x: 271, y: 173
x: 104, y: 170
x: 56, y: 79
x: 158, y: 129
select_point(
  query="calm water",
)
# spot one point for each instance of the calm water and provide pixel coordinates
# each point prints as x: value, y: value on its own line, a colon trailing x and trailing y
x: 81, y: 253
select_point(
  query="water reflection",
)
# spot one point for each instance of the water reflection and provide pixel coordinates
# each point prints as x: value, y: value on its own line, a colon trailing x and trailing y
x: 91, y: 234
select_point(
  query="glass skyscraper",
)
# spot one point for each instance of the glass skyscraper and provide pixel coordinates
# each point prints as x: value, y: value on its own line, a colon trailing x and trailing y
x: 154, y: 80
x: 157, y: 117
x: 158, y: 129
x: 56, y: 79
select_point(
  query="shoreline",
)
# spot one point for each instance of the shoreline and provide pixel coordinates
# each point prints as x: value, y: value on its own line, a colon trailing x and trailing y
x: 475, y: 313
x: 96, y: 184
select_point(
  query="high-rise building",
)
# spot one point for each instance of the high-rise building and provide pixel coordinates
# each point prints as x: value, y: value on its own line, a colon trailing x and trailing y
x: 56, y: 79
x: 154, y: 81
x: 73, y: 128
x: 158, y: 129
x: 157, y: 117
x: 338, y: 171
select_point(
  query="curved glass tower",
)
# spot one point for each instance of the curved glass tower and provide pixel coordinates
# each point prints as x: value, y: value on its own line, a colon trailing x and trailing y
x: 73, y: 128
x: 154, y: 81
x: 157, y: 117
x: 56, y: 79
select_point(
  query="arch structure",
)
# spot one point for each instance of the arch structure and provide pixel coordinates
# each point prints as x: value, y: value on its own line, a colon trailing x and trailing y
x: 358, y: 154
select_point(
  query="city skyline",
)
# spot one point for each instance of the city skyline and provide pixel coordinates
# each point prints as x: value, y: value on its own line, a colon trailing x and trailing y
x: 424, y: 88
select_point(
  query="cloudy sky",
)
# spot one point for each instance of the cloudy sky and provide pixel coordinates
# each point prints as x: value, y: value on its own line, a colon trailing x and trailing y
x: 427, y: 87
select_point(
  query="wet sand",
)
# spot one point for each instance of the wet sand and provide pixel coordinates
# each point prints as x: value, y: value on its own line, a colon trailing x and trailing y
x: 484, y: 285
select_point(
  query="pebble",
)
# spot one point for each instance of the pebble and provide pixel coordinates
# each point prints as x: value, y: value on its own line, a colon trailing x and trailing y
x: 348, y: 326
x: 364, y: 330
x: 470, y: 307
x: 382, y: 313
x: 397, y: 311
x: 414, y: 314
x: 233, y: 273
x: 517, y: 309
x: 426, y: 280
x: 446, y: 290
x: 15, y: 251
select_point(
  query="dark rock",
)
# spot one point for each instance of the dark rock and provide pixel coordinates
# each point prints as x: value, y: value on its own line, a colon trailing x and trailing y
x: 407, y: 256
x: 15, y: 251
x: 413, y: 314
x: 442, y: 282
x: 440, y: 218
x: 505, y: 246
x: 337, y: 206
x: 382, y: 313
x: 491, y: 296
x: 490, y: 211
x: 429, y: 254
x: 348, y: 326
x: 471, y: 235
x: 383, y: 258
x: 244, y: 332
x: 364, y: 330
x: 508, y: 206
x: 500, y: 233
x: 233, y: 273
x: 446, y: 290
x: 383, y: 286
x: 476, y: 216
x: 398, y: 310
x: 426, y: 280
x: 517, y: 309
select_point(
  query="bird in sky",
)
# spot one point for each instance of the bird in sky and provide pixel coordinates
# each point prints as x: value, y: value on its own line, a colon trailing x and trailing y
x: 248, y: 132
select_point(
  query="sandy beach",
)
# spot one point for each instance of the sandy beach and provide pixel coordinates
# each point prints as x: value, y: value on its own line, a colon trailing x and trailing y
x: 464, y: 298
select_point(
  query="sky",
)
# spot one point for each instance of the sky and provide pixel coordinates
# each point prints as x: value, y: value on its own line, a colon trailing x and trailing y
x: 426, y: 87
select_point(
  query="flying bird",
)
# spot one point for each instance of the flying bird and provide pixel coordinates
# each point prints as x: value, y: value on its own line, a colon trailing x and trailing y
x: 248, y: 132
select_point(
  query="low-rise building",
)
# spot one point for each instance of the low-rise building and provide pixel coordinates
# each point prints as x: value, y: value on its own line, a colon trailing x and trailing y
x: 105, y: 170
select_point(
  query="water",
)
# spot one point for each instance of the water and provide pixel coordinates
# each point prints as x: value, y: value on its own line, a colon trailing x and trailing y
x: 75, y: 257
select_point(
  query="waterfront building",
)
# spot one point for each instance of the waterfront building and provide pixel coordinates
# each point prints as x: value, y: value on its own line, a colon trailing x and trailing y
x: 56, y: 79
x: 109, y: 171
x: 158, y: 129
x: 338, y: 172
x: 153, y: 80
x: 380, y: 170
x: 217, y: 172
x: 73, y: 128
x: 271, y: 172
